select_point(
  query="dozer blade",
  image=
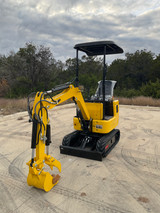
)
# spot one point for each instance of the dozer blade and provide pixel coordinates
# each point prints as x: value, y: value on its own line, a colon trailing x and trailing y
x: 82, y: 153
x: 96, y: 147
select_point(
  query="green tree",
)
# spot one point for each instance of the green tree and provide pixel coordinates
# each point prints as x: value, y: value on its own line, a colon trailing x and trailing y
x: 155, y: 69
x: 32, y: 68
x: 151, y: 89
x: 138, y: 68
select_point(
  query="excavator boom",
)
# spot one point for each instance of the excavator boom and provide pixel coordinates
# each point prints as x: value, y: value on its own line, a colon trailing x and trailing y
x: 41, y: 135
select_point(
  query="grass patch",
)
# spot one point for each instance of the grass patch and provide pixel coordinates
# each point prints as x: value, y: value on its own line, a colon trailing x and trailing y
x: 140, y: 101
x: 10, y: 106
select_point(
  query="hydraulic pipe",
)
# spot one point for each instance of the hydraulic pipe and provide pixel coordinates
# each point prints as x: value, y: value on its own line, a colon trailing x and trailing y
x: 48, y: 141
x: 34, y: 138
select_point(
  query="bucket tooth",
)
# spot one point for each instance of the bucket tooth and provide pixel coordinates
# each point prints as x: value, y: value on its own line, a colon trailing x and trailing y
x: 55, y: 178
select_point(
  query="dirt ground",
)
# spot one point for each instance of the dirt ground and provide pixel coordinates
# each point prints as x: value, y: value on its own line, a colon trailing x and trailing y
x: 128, y: 180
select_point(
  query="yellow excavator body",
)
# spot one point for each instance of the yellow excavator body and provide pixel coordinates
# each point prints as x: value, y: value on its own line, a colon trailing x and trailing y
x: 95, y: 121
x: 98, y: 124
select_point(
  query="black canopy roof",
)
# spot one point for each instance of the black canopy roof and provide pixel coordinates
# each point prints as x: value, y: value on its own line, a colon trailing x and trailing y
x: 97, y: 48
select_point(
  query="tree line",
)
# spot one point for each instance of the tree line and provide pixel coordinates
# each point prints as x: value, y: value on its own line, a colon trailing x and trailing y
x: 33, y: 68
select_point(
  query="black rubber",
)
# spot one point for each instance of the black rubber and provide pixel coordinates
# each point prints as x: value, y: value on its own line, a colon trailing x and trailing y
x: 67, y: 140
x: 97, y: 148
x: 106, y: 143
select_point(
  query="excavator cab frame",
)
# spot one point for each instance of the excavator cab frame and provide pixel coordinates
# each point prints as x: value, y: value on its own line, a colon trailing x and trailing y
x: 95, y: 49
x: 99, y: 136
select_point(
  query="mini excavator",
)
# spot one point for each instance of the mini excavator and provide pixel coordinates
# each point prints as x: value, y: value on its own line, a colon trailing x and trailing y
x: 94, y: 123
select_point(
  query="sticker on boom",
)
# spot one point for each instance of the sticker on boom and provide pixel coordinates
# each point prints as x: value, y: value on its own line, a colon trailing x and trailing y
x: 99, y: 126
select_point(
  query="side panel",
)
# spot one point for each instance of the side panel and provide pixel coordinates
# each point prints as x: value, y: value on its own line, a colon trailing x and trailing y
x: 76, y: 123
x: 95, y: 110
x: 106, y: 126
x: 102, y: 126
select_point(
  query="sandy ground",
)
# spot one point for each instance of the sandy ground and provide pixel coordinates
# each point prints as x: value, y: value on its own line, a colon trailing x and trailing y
x: 128, y: 180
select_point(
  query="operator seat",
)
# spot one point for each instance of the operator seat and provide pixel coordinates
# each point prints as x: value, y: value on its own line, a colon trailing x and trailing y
x: 109, y: 87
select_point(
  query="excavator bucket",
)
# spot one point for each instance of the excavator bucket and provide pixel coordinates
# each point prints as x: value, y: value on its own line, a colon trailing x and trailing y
x: 43, y: 181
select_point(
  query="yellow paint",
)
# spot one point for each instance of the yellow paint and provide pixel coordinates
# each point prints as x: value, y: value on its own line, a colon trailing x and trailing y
x: 70, y: 93
x: 43, y: 181
x: 105, y: 125
x: 95, y: 110
x: 37, y: 177
x: 92, y: 112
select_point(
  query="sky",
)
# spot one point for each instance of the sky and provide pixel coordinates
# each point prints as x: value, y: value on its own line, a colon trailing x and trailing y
x: 60, y: 24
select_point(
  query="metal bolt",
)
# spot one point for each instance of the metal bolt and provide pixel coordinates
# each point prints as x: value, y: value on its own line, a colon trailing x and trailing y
x: 41, y: 171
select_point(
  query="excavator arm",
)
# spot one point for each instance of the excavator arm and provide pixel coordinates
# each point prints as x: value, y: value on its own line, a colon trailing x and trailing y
x: 71, y: 92
x: 41, y: 135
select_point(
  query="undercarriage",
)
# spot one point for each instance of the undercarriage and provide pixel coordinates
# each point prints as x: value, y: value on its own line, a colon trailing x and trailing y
x: 89, y: 145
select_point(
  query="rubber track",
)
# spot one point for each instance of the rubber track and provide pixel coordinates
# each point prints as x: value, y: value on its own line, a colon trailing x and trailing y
x: 103, y: 141
x: 67, y: 139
